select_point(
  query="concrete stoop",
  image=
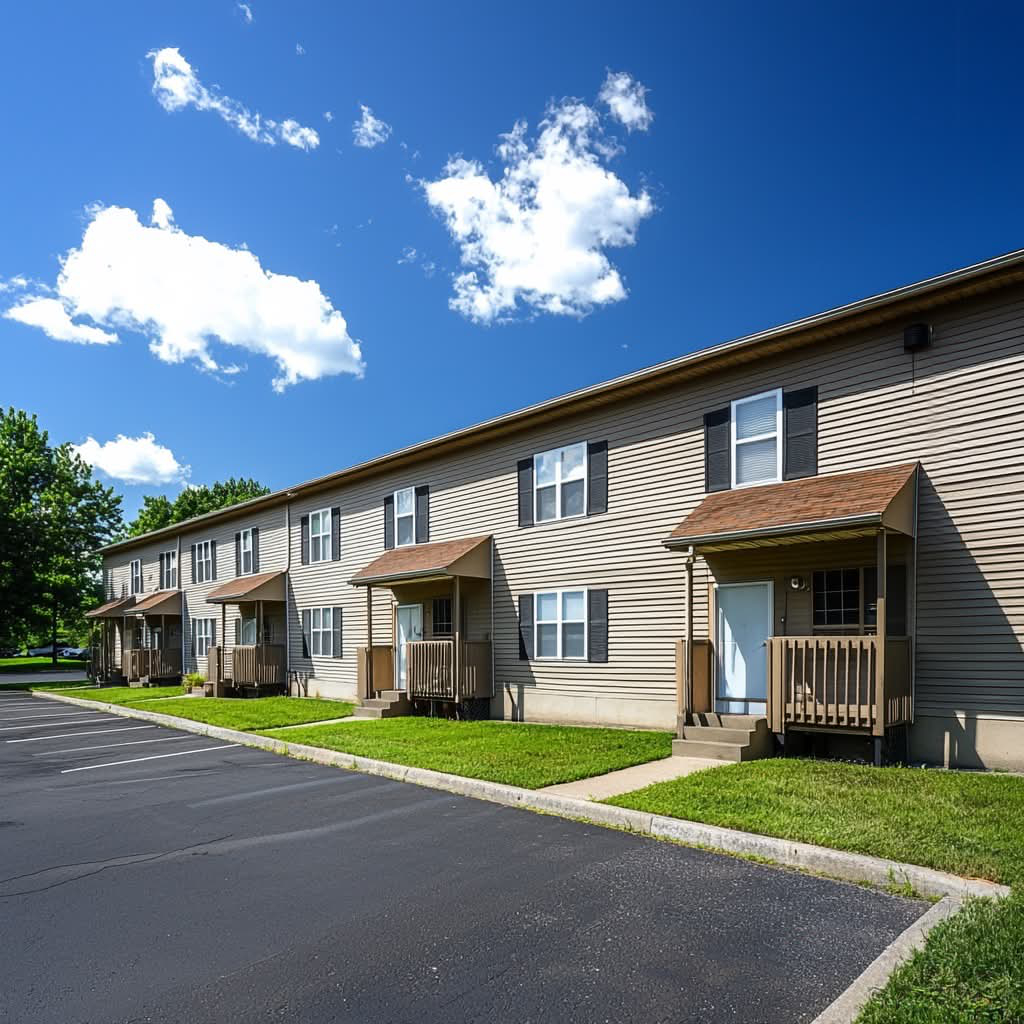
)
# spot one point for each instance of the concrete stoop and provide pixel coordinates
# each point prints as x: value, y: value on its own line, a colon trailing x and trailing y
x: 725, y: 738
x: 390, y: 704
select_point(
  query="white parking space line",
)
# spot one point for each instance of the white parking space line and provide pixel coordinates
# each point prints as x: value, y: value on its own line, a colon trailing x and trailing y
x: 84, y: 719
x: 49, y: 714
x: 36, y: 705
x: 152, y: 757
x: 103, y: 746
x: 84, y: 732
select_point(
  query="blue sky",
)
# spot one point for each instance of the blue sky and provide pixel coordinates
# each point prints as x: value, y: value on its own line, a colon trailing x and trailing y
x: 799, y: 156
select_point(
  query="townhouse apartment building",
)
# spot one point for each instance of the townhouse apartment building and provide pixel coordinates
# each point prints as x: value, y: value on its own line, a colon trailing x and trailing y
x: 812, y: 534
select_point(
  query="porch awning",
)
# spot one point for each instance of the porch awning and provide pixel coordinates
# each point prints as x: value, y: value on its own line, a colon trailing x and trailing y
x: 834, y: 506
x: 262, y: 586
x: 112, y: 609
x: 470, y: 556
x: 163, y: 602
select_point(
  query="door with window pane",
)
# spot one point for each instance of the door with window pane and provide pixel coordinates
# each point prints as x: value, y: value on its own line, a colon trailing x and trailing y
x: 409, y: 621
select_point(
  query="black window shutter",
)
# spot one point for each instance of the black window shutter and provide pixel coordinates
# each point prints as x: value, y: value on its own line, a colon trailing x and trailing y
x: 524, y: 470
x: 304, y: 527
x: 597, y: 625
x: 525, y: 627
x: 162, y: 583
x: 336, y: 632
x: 255, y: 549
x: 422, y: 514
x: 192, y: 640
x: 238, y: 631
x: 305, y: 633
x: 213, y: 557
x: 193, y: 565
x: 389, y: 522
x: 213, y: 632
x: 800, y: 424
x: 238, y: 554
x: 597, y: 478
x: 335, y: 534
x: 717, y: 459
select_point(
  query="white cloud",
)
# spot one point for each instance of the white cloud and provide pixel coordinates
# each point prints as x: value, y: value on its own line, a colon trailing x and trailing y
x: 537, y: 236
x: 328, y: 116
x: 53, y: 318
x: 626, y: 99
x: 246, y: 12
x: 409, y: 255
x: 300, y: 50
x: 369, y: 131
x: 185, y: 293
x: 176, y: 86
x: 133, y: 460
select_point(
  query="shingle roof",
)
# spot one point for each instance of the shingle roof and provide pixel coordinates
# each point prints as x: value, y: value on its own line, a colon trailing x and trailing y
x: 816, y: 502
x: 237, y: 589
x: 112, y: 609
x: 418, y: 560
x: 153, y: 601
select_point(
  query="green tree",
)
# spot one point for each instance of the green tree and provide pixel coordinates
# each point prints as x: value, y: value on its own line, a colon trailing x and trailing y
x: 158, y: 511
x: 53, y: 519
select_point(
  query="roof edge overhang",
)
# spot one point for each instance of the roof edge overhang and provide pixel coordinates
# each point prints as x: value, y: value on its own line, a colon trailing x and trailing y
x: 272, y: 589
x: 788, y: 529
x: 414, y: 576
x: 114, y: 609
x: 906, y: 300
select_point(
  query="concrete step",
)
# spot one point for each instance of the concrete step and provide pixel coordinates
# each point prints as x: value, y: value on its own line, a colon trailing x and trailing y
x: 383, y: 702
x: 716, y: 751
x: 716, y: 734
x: 750, y: 722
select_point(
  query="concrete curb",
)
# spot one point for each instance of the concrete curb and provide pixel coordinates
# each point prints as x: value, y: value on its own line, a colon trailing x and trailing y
x: 852, y: 867
x: 847, y: 1006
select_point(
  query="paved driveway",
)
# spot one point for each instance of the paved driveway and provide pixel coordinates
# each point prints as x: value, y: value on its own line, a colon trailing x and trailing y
x: 151, y: 875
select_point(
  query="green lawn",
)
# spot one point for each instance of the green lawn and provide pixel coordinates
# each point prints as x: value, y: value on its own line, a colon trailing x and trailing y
x: 258, y: 713
x: 113, y: 694
x: 519, y: 755
x: 970, y: 972
x: 15, y: 665
x: 964, y: 822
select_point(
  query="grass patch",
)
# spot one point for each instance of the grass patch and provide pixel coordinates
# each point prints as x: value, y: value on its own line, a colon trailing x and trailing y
x: 13, y: 666
x: 112, y: 694
x: 970, y: 971
x: 963, y: 822
x: 531, y: 756
x: 258, y: 713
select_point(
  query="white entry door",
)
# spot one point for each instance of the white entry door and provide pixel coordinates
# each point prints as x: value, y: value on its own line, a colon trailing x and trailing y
x: 410, y: 629
x: 744, y: 625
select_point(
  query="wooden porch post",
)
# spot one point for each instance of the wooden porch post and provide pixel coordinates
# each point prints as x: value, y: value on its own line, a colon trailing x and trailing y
x: 223, y: 641
x: 688, y: 645
x: 369, y: 642
x: 881, y: 571
x: 457, y: 637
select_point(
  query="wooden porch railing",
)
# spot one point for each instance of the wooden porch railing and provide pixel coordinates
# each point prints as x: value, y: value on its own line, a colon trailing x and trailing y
x: 158, y: 663
x: 261, y: 664
x: 383, y: 674
x: 838, y: 682
x: 430, y: 670
x: 702, y: 699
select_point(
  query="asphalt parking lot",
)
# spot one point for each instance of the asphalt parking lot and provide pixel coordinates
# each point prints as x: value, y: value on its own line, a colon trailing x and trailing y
x: 158, y: 876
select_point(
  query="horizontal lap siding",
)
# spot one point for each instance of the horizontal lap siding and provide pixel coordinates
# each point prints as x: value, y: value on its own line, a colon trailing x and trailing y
x: 956, y: 407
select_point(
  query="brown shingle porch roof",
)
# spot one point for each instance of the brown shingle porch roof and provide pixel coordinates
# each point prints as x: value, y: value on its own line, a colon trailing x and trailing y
x: 262, y: 586
x: 112, y: 609
x: 163, y: 602
x: 464, y: 557
x: 859, y: 501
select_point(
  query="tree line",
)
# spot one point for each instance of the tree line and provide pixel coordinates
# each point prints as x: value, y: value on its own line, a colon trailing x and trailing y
x: 54, y: 517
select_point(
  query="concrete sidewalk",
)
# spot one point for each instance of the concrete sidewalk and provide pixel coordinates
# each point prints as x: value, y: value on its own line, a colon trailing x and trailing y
x: 601, y: 787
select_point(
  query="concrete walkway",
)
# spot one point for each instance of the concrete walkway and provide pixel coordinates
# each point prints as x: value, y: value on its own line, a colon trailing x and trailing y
x: 601, y: 787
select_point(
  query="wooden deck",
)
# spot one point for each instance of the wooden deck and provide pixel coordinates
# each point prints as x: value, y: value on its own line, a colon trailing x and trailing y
x: 156, y: 663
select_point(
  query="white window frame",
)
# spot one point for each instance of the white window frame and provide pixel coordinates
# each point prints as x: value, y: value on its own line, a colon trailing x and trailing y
x: 135, y: 575
x: 324, y: 632
x: 559, y: 482
x: 734, y: 443
x: 560, y: 622
x: 244, y: 537
x: 202, y: 630
x: 169, y: 580
x: 324, y: 536
x: 412, y: 491
x: 204, y: 561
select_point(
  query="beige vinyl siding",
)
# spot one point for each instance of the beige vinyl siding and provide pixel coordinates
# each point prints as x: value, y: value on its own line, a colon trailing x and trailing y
x: 956, y: 407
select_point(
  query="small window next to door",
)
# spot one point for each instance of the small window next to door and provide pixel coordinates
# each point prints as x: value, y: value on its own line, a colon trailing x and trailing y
x: 441, y: 617
x: 837, y: 597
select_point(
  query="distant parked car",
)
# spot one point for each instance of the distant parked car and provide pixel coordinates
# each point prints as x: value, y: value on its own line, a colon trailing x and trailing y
x: 42, y: 652
x: 9, y: 652
x: 73, y: 652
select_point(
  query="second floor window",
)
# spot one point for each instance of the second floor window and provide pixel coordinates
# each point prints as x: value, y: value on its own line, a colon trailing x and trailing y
x: 560, y: 483
x: 136, y: 568
x: 204, y: 562
x: 320, y: 536
x: 245, y: 551
x: 405, y: 516
x: 757, y: 439
x: 169, y: 570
